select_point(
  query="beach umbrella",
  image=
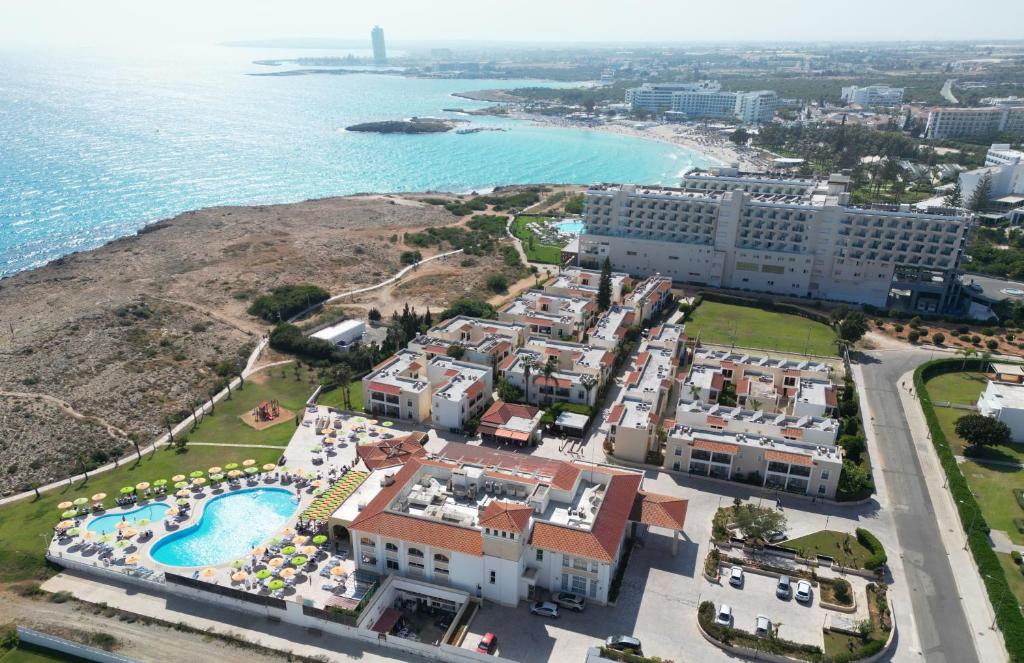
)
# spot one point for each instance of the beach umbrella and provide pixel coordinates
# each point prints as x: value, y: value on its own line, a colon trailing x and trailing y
x: 299, y: 540
x: 208, y: 572
x: 198, y: 482
x: 217, y: 478
x: 234, y: 473
x: 181, y: 501
x: 388, y: 424
x: 275, y: 562
x: 142, y: 485
x: 74, y: 531
x: 288, y: 573
x: 171, y: 512
x: 70, y: 513
x: 105, y: 538
x: 239, y: 576
x: 258, y: 551
x: 317, y: 483
x: 129, y: 532
x: 299, y: 560
x: 248, y: 462
x: 319, y: 491
x: 213, y: 470
x: 127, y: 490
x: 300, y: 472
x: 231, y: 466
x: 160, y: 482
x: 122, y: 544
x: 263, y: 574
x: 65, y: 505
x: 142, y: 522
x: 123, y: 524
x: 183, y: 493
x: 328, y: 441
x: 132, y: 559
x: 337, y: 571
x: 252, y: 470
x: 238, y: 563
x: 88, y: 536
x: 372, y: 422
x: 178, y: 477
x: 269, y: 467
x: 317, y: 449
x: 80, y: 501
x: 275, y: 585
x: 99, y: 497
x: 288, y: 550
x: 309, y: 550
x: 196, y: 474
x: 180, y: 485
x: 288, y: 531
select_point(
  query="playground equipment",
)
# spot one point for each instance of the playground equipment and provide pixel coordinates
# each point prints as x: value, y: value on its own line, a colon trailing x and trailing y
x: 267, y: 411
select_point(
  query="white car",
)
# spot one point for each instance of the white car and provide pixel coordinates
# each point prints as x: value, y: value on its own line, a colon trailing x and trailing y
x: 724, y: 616
x: 544, y: 609
x: 736, y: 576
x: 762, y: 626
x: 803, y: 591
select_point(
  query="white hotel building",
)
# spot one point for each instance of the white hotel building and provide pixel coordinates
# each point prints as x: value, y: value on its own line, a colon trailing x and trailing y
x: 787, y: 237
x: 975, y: 122
x: 704, y: 99
x: 873, y: 95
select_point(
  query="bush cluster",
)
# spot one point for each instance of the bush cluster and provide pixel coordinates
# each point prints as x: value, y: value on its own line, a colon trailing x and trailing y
x: 870, y: 541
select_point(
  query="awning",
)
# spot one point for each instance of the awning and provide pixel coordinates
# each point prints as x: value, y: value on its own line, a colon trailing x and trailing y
x: 572, y: 420
x: 517, y: 435
x: 387, y: 621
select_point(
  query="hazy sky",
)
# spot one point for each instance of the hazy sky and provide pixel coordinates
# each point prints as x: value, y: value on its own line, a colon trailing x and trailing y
x: 112, y: 22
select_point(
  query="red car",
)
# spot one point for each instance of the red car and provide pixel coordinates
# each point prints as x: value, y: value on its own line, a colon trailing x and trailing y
x: 488, y: 644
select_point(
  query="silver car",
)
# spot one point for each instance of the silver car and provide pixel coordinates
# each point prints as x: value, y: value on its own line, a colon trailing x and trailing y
x: 803, y: 591
x: 544, y: 609
x: 570, y: 601
x: 724, y: 616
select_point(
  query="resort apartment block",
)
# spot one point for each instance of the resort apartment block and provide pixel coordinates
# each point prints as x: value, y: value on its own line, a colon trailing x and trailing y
x: 485, y: 342
x: 1004, y: 168
x: 789, y: 237
x: 704, y: 99
x: 975, y: 122
x: 577, y: 282
x: 442, y: 390
x: 611, y: 327
x: 504, y: 526
x: 650, y: 297
x: 873, y: 95
x: 551, y: 315
x: 573, y: 381
x: 797, y: 387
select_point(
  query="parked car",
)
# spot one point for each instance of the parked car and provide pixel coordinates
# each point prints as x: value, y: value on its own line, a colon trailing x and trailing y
x: 544, y: 609
x: 724, y: 616
x: 784, y: 588
x: 736, y: 576
x: 803, y: 591
x: 571, y: 601
x: 775, y: 537
x: 762, y: 626
x: 488, y: 644
x: 624, y: 643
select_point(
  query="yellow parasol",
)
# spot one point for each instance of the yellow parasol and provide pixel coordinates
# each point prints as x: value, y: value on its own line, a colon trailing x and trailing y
x: 88, y: 535
x: 214, y: 470
x: 276, y: 562
x: 65, y: 505
x: 258, y: 551
x: 132, y: 559
x: 299, y: 540
x: 309, y: 550
x: 208, y: 572
x: 269, y: 467
x: 235, y: 473
x: 184, y: 492
x: 239, y: 576
x: 178, y: 477
x: 248, y: 462
x: 287, y: 573
x: 288, y: 531
x: 123, y: 525
x: 199, y: 482
x: 171, y: 512
x: 129, y: 532
x: 337, y: 571
x: 142, y: 485
x: 65, y: 524
x: 317, y: 483
x: 99, y: 497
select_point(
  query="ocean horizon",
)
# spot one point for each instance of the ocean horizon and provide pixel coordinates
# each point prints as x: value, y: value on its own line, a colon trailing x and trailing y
x: 97, y: 145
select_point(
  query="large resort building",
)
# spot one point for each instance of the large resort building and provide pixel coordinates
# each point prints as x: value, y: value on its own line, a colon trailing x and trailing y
x: 551, y: 315
x: 503, y: 525
x: 789, y: 237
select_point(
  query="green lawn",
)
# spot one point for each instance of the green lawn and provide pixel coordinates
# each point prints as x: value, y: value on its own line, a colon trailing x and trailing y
x: 843, y: 547
x: 225, y: 425
x: 24, y: 524
x: 745, y: 326
x: 947, y: 417
x: 24, y: 654
x: 993, y: 485
x: 963, y: 388
x: 545, y: 253
x: 333, y: 398
x: 1014, y: 577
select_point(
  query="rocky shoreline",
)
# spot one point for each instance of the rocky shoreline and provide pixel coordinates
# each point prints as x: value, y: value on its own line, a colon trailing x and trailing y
x: 415, y: 125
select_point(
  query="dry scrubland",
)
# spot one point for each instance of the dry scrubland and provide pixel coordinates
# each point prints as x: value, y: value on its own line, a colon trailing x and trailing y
x: 132, y: 332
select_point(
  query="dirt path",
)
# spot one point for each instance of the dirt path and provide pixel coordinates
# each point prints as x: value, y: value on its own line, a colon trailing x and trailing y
x: 137, y: 640
x: 66, y: 408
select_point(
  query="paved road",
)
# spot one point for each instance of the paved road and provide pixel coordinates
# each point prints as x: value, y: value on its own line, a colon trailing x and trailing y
x: 947, y: 91
x: 942, y: 627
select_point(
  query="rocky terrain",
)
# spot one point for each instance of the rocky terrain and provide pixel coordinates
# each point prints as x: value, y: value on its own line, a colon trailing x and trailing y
x: 416, y: 125
x: 137, y: 330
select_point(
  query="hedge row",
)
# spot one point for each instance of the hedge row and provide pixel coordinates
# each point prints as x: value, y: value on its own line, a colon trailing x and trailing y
x: 1008, y: 614
x: 870, y: 541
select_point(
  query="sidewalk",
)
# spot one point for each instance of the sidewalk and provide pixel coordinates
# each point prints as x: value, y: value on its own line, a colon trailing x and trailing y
x: 988, y: 643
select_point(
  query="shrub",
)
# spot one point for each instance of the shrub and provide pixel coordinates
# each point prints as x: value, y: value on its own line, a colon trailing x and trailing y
x: 473, y: 308
x: 286, y: 301
x: 842, y: 590
x: 965, y: 338
x: 938, y: 338
x: 987, y: 331
x: 991, y: 344
x: 854, y: 446
x: 898, y: 328
x: 870, y: 541
x: 1016, y: 557
x: 374, y: 315
x: 913, y: 336
x: 410, y: 257
x: 497, y: 283
x: 963, y: 329
x: 975, y: 339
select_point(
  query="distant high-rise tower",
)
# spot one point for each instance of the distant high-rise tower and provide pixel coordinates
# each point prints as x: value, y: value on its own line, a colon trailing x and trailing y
x: 380, y: 54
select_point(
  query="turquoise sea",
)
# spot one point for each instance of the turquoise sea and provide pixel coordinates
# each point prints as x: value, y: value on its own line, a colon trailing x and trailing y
x: 94, y: 145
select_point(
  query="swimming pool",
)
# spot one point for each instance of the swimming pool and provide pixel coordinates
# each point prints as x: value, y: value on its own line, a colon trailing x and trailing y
x: 108, y: 524
x: 229, y: 527
x: 569, y: 227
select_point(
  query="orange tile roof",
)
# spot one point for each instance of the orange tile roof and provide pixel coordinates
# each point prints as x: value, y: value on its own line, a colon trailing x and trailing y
x: 393, y: 452
x: 719, y: 447
x: 712, y: 420
x: 659, y: 510
x: 615, y: 415
x: 559, y: 473
x: 795, y: 433
x: 392, y: 389
x: 785, y: 457
x: 501, y: 413
x: 506, y: 516
x: 507, y: 363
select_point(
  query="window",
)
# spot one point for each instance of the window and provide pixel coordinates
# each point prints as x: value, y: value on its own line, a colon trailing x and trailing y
x: 494, y: 577
x: 579, y: 585
x: 821, y: 489
x: 441, y: 558
x: 678, y: 451
x: 540, y: 555
x: 369, y: 543
x: 824, y: 475
x: 392, y: 564
x: 390, y: 547
x: 415, y: 552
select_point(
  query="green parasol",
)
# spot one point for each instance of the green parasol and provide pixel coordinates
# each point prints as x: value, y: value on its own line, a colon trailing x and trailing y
x: 263, y: 574
x: 251, y: 470
x: 299, y: 560
x: 320, y: 539
x: 231, y: 466
x: 127, y: 490
x: 196, y: 474
x: 181, y: 501
x: 275, y: 585
x: 160, y: 482
x: 288, y: 550
x: 70, y: 513
x: 81, y: 501
x: 74, y: 531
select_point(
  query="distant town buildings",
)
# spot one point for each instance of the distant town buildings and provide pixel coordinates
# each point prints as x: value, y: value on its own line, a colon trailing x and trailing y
x: 873, y: 95
x: 380, y: 54
x: 704, y: 99
x: 787, y: 236
x: 1004, y: 168
x: 975, y: 122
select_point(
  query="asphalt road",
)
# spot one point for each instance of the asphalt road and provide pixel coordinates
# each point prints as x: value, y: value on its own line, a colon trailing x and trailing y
x: 942, y: 626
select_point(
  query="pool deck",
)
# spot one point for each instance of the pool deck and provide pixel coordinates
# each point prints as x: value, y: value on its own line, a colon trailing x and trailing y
x: 300, y: 455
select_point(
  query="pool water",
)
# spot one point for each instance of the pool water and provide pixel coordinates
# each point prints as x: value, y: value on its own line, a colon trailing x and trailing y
x: 229, y: 527
x: 108, y: 524
x: 569, y: 227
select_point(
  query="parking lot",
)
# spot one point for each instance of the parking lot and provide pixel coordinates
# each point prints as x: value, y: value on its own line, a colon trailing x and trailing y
x: 800, y: 622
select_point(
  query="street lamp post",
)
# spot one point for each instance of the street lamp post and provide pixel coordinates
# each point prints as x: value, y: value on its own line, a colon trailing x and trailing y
x: 997, y: 606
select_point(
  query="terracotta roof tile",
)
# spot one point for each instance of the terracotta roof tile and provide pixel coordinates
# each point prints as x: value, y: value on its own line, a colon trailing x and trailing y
x: 719, y: 447
x: 393, y: 452
x: 786, y: 457
x: 392, y: 389
x: 501, y: 412
x: 659, y: 510
x: 506, y: 516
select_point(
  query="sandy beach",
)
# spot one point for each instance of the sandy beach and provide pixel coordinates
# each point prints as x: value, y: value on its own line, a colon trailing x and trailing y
x: 696, y: 137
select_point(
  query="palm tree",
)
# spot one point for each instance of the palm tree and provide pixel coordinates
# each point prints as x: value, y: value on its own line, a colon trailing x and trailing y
x: 548, y: 369
x: 134, y: 439
x: 213, y: 394
x: 967, y: 353
x: 194, y: 404
x: 240, y: 372
x: 589, y: 382
x: 169, y: 424
x: 342, y: 377
x: 528, y: 365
